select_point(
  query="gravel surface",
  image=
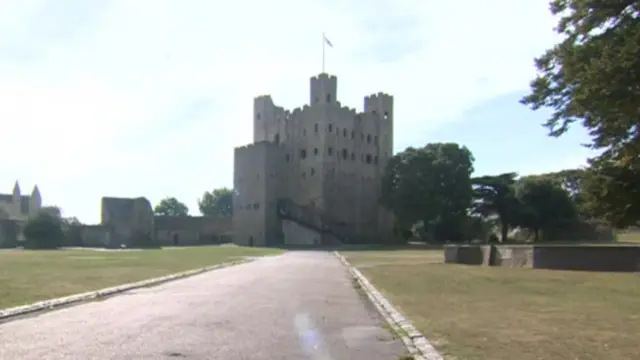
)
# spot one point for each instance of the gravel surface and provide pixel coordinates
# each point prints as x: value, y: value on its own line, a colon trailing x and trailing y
x: 300, y: 305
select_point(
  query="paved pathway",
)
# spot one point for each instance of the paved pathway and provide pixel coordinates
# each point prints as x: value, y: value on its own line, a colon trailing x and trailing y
x: 300, y: 305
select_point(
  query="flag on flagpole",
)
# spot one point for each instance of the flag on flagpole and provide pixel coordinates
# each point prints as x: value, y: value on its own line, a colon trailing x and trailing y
x: 327, y: 41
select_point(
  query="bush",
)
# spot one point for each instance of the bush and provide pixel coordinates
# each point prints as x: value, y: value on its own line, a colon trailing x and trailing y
x: 43, y: 231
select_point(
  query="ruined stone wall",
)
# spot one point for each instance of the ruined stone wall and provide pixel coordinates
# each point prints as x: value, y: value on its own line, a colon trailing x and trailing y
x: 191, y: 230
x: 94, y: 235
x: 130, y: 220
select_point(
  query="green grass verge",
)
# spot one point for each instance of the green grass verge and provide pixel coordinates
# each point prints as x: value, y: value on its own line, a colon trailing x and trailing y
x: 30, y: 276
x: 473, y: 312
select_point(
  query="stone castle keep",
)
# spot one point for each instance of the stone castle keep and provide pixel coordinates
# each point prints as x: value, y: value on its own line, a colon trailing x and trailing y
x: 319, y: 166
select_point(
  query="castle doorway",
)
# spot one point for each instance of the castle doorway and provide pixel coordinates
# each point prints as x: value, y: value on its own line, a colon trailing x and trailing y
x: 250, y: 240
x: 176, y: 239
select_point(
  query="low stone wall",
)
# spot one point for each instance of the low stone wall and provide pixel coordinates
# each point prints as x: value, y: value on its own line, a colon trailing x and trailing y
x: 555, y: 257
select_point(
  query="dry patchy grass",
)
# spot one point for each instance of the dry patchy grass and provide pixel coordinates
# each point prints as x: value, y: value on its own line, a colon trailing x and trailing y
x: 29, y: 276
x: 472, y: 312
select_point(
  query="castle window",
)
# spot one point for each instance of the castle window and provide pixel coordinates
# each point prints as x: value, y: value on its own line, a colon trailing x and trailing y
x: 287, y: 157
x: 258, y: 116
x: 303, y: 153
x: 328, y: 98
x: 256, y: 206
x: 353, y: 133
x: 315, y: 127
x: 304, y: 175
x: 344, y: 132
x: 330, y: 128
x: 375, y: 140
x: 345, y: 154
x: 353, y: 156
x: 315, y: 151
x: 312, y: 172
x: 317, y: 99
x: 375, y: 159
x: 386, y: 115
x: 368, y: 139
x: 330, y: 150
x: 277, y: 138
x: 368, y: 159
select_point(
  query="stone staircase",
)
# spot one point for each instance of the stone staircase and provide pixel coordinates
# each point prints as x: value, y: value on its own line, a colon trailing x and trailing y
x: 311, y: 218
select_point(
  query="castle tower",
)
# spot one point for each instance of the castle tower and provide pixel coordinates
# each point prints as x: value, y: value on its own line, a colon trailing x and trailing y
x: 16, y: 196
x: 35, y: 201
x: 381, y: 105
x: 324, y: 89
x: 268, y: 120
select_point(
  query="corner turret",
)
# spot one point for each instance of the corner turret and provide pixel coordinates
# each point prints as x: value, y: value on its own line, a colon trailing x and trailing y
x: 324, y: 89
x: 35, y: 201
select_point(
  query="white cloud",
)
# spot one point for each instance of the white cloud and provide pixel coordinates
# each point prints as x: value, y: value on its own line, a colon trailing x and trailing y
x: 94, y: 100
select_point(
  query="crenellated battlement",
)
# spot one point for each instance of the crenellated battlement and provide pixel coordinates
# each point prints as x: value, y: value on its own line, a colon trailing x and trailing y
x: 256, y: 145
x: 378, y: 96
x: 264, y: 98
x: 324, y: 76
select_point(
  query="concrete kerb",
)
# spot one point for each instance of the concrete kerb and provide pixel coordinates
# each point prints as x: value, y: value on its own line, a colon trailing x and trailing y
x: 8, y: 313
x: 415, y: 342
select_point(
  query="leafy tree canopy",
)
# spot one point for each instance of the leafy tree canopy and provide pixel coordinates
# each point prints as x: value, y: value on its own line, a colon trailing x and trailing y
x: 430, y: 184
x: 543, y: 205
x: 495, y: 196
x: 43, y: 231
x: 171, y: 207
x: 612, y: 193
x: 593, y: 75
x: 218, y: 202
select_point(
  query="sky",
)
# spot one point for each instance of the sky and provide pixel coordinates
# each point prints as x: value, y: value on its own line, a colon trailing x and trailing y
x: 149, y: 97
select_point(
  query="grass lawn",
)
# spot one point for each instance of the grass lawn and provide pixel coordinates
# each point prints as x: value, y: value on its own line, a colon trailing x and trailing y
x: 29, y: 276
x: 473, y: 312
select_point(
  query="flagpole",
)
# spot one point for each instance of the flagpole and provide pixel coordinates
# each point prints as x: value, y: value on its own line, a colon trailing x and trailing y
x: 323, y: 45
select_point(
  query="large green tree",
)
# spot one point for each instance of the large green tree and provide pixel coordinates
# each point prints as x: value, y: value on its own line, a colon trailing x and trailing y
x: 218, y: 202
x: 543, y: 205
x: 170, y: 206
x: 43, y: 231
x: 494, y: 195
x: 612, y: 193
x: 593, y: 75
x: 431, y: 185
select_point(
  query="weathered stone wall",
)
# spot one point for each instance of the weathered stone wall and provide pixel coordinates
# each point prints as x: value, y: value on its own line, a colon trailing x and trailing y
x: 191, y: 230
x: 130, y: 220
x: 94, y: 235
x: 554, y: 257
x: 297, y: 235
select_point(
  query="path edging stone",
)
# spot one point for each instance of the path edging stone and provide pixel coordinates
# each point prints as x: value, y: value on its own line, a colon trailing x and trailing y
x: 11, y: 312
x: 415, y: 342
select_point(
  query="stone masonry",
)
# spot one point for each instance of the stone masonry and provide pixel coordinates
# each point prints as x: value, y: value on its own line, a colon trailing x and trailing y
x: 324, y: 156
